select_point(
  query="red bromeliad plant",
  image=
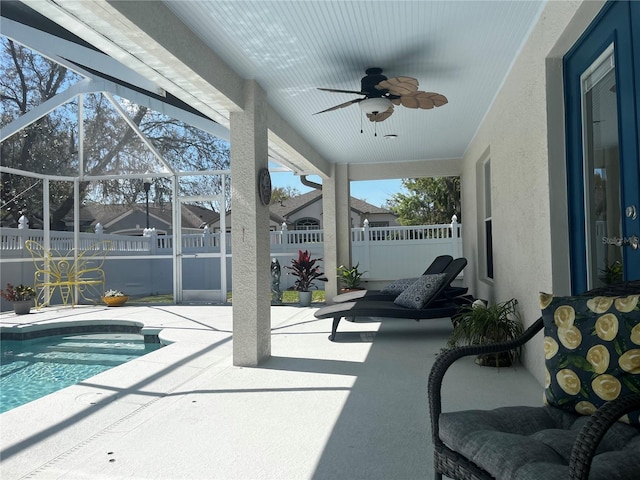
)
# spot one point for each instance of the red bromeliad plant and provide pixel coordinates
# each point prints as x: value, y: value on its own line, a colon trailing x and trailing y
x: 306, y: 270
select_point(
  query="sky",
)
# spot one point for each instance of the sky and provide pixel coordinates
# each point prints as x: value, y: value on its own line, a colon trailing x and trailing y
x: 375, y: 192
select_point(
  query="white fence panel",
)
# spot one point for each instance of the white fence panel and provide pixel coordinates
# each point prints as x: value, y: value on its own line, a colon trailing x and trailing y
x: 142, y: 265
x: 388, y: 253
x: 388, y: 261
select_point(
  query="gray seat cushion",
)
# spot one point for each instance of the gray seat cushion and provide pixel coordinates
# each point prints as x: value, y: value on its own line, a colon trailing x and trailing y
x: 533, y: 443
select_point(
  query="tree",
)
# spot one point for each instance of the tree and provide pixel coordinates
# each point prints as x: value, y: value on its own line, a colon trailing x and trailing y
x: 280, y: 194
x: 428, y: 201
x: 111, y: 146
x: 28, y: 80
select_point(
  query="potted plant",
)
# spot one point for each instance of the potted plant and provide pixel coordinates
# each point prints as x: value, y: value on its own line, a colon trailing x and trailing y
x: 350, y: 277
x: 612, y: 273
x: 114, y: 298
x: 481, y: 324
x: 306, y: 271
x: 21, y: 297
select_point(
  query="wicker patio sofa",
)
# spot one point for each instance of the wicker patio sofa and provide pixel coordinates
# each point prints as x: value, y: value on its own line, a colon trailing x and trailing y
x: 553, y: 441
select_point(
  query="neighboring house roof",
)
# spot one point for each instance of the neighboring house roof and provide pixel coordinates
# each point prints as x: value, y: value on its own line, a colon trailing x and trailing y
x: 199, y: 216
x: 193, y: 216
x: 274, y: 217
x: 294, y: 204
x: 361, y: 206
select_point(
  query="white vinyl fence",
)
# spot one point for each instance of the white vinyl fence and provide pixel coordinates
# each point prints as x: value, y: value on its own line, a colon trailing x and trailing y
x: 144, y: 265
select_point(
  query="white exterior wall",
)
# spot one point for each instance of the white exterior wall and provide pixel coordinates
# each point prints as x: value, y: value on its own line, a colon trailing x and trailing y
x: 515, y: 135
x: 311, y: 211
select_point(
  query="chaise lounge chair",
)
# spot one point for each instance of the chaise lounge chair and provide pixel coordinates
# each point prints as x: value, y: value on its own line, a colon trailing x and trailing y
x: 422, y: 300
x: 441, y: 264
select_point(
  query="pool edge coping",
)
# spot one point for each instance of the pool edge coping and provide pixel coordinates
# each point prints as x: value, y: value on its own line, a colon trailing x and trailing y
x: 65, y: 327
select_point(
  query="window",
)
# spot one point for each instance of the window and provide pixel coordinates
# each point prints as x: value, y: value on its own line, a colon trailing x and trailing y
x: 307, y: 224
x: 488, y: 233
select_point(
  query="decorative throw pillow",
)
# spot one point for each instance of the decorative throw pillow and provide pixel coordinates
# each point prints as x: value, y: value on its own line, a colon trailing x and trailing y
x: 399, y: 286
x: 420, y: 292
x: 592, y: 351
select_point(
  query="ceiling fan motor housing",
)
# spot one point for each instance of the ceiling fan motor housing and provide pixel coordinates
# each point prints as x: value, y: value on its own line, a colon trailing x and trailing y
x: 381, y: 94
x: 368, y: 83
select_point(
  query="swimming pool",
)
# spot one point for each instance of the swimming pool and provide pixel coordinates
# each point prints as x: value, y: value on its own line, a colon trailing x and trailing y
x: 31, y: 369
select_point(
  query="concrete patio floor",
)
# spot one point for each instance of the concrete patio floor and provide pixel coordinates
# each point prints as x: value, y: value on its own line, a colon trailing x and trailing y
x: 351, y: 409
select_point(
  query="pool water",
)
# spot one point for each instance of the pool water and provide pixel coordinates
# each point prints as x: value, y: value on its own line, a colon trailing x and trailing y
x: 31, y: 369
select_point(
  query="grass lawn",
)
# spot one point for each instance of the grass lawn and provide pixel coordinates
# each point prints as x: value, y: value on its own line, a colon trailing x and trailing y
x: 168, y: 298
x: 291, y: 296
x: 288, y: 297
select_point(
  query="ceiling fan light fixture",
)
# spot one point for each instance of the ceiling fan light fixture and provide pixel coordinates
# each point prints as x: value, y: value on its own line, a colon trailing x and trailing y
x: 375, y: 105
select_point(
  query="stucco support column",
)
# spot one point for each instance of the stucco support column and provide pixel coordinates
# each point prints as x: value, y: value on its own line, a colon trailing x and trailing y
x: 250, y: 232
x: 336, y: 223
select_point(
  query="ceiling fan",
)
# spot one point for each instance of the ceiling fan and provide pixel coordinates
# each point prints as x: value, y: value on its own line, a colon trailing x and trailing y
x: 382, y: 93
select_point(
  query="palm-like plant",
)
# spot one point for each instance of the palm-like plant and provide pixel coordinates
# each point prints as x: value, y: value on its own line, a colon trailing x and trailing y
x: 612, y: 273
x: 305, y: 268
x: 479, y: 324
x: 350, y: 276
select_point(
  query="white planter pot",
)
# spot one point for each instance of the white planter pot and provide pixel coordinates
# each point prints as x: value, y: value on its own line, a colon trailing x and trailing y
x: 305, y: 299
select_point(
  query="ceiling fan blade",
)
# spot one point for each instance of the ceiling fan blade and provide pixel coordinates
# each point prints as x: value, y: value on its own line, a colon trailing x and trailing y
x: 342, y: 105
x: 399, y: 85
x: 340, y: 91
x: 424, y: 100
x: 381, y: 116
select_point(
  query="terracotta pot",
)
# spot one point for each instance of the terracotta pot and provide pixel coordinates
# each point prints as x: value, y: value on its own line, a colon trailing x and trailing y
x: 115, y: 301
x: 22, y: 307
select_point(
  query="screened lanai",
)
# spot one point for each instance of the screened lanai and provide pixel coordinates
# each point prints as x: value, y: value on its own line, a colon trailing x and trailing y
x: 81, y: 129
x: 102, y: 101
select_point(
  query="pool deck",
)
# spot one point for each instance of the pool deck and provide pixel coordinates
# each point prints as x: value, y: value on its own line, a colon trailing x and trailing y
x: 351, y: 409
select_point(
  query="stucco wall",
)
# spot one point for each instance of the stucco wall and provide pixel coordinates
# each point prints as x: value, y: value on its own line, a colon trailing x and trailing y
x: 514, y: 137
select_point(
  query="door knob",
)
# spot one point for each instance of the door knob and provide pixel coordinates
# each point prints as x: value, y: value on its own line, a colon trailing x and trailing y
x: 632, y: 212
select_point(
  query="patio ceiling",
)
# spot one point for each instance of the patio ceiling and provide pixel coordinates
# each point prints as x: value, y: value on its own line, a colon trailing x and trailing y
x: 461, y: 49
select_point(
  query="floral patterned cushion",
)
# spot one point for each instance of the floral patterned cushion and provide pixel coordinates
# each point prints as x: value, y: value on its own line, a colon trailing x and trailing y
x: 399, y: 286
x: 420, y: 292
x: 592, y: 351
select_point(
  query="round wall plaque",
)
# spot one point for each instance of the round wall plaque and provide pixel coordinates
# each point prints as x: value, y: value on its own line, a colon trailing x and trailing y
x: 264, y: 186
